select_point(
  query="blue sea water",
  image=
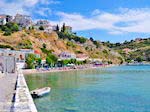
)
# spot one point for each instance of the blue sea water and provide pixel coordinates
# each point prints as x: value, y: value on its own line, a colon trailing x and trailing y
x: 115, y: 89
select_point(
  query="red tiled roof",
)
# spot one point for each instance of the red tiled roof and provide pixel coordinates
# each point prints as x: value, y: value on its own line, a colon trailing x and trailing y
x: 37, y: 52
x: 2, y: 16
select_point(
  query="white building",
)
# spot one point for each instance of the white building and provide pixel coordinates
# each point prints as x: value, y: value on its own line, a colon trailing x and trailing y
x: 23, y: 21
x: 7, y: 64
x: 45, y: 24
x: 54, y: 27
x: 2, y: 20
x: 20, y: 56
x: 5, y: 18
x: 67, y: 55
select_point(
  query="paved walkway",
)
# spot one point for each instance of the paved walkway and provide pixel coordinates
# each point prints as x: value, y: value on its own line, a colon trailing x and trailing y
x: 7, y: 90
x: 13, y: 87
x: 23, y: 100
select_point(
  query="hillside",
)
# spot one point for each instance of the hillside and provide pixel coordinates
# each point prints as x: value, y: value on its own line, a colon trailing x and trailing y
x: 138, y: 49
x: 32, y: 39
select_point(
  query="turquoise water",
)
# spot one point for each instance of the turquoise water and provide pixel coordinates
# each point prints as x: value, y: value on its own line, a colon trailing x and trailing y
x: 116, y: 89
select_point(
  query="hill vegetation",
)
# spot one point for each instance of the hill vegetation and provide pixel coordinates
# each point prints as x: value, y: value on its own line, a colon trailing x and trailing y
x: 137, y: 50
x: 52, y: 44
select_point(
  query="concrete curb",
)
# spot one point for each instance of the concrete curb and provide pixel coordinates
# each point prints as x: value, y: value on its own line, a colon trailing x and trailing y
x: 23, y: 101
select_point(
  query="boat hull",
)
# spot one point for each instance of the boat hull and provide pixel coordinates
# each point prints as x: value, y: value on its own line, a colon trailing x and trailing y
x: 40, y: 92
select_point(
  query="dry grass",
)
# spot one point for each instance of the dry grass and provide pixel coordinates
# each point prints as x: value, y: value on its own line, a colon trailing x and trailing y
x: 53, y: 43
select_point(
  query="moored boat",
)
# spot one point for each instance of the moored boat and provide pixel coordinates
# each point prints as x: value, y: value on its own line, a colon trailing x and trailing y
x: 40, y: 92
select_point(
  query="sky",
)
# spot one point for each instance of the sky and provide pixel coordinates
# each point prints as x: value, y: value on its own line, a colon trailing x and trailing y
x: 104, y: 20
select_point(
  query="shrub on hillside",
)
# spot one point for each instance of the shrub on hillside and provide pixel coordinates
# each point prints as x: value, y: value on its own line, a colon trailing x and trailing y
x: 9, y: 28
x: 71, y: 37
x: 7, y: 33
x: 25, y: 44
x: 6, y: 46
x: 41, y: 28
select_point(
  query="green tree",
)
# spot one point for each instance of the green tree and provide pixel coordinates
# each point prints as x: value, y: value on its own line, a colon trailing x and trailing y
x: 65, y: 62
x: 7, y: 33
x: 51, y: 59
x: 41, y: 28
x: 4, y: 28
x: 15, y: 28
x: 38, y: 60
x: 63, y: 28
x: 57, y: 28
x: 30, y: 61
x: 91, y: 39
x: 9, y: 28
x: 139, y: 59
x: 44, y: 45
x: 32, y: 27
x: 96, y: 43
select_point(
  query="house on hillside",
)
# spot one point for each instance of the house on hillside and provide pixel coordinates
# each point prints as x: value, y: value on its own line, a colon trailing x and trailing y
x: 4, y: 19
x: 24, y: 21
x: 138, y: 39
x: 45, y: 24
x: 54, y: 28
x: 68, y: 29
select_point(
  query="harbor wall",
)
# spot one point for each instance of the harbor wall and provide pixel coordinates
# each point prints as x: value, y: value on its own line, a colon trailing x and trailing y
x: 23, y: 101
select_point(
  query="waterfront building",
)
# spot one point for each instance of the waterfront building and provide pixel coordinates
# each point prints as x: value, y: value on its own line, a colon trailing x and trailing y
x: 7, y: 64
x: 24, y: 21
x: 67, y: 55
x: 20, y: 56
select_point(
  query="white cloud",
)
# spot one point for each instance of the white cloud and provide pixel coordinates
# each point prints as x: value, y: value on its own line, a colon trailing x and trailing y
x: 44, y: 12
x: 124, y: 21
x: 96, y: 11
x: 24, y: 6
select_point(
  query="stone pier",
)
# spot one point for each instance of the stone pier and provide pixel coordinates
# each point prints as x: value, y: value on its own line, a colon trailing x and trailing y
x: 23, y: 101
x: 14, y: 94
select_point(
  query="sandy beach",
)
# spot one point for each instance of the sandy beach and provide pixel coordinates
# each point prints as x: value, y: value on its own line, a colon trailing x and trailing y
x: 63, y: 69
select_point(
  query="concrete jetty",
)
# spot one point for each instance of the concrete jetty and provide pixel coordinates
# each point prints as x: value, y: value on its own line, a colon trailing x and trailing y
x: 14, y: 94
x: 23, y: 101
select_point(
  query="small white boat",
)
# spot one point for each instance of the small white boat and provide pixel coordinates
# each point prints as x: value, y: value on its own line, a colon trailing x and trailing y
x: 40, y: 92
